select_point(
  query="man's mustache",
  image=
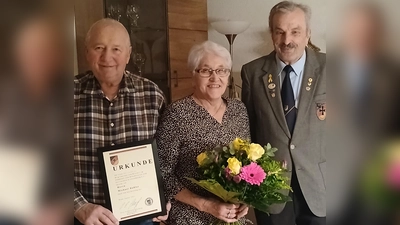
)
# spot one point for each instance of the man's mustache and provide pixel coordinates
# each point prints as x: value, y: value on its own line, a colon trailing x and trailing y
x: 290, y: 45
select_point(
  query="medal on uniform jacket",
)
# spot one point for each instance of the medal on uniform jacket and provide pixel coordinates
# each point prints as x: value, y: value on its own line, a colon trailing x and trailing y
x: 271, y: 86
x: 308, y: 88
x: 321, y: 111
x: 270, y: 78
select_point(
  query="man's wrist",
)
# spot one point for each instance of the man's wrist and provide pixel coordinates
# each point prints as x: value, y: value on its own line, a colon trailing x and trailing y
x: 79, y: 203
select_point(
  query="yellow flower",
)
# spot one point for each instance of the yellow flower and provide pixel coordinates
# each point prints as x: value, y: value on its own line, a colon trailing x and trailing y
x: 237, y: 143
x: 201, y: 158
x: 255, y: 152
x: 234, y: 165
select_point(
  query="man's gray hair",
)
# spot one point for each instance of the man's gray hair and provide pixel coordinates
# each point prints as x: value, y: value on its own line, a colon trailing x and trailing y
x: 199, y: 51
x: 289, y: 6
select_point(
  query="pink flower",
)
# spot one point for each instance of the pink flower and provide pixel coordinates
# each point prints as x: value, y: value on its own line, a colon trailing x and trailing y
x: 237, y: 179
x: 228, y: 173
x: 393, y: 175
x: 253, y: 174
x: 284, y: 164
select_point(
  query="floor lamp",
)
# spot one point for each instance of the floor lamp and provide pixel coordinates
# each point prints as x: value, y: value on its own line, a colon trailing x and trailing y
x: 231, y: 29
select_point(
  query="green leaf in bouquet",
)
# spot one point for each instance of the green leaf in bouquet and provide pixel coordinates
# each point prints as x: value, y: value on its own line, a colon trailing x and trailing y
x: 232, y: 151
x: 261, y: 206
x: 231, y: 146
x: 270, y: 154
x: 227, y: 155
x: 265, y: 205
x: 278, y: 198
x: 225, y: 149
x: 272, y: 166
x: 215, y: 188
x: 269, y: 150
x: 264, y: 201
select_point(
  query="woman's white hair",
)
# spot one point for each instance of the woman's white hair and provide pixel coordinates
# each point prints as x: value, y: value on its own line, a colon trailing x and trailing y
x: 199, y: 51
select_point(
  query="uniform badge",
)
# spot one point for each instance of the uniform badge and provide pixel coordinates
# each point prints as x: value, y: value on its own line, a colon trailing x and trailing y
x: 308, y: 88
x: 271, y: 86
x: 270, y: 78
x: 321, y: 111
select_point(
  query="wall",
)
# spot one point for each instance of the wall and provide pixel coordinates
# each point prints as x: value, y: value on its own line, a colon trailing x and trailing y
x: 256, y: 41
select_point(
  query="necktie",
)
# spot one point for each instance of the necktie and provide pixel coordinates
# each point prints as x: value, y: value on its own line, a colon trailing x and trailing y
x: 288, y: 101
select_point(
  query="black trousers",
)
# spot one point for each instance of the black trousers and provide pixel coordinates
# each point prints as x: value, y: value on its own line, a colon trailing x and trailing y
x: 295, y: 212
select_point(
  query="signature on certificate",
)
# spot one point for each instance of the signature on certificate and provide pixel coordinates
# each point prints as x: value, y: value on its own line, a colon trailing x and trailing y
x: 130, y: 205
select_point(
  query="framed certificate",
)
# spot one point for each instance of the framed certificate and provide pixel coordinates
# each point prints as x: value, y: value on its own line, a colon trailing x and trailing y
x: 132, y: 181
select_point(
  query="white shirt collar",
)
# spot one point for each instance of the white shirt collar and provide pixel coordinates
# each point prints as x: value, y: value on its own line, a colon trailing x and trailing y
x: 298, y: 66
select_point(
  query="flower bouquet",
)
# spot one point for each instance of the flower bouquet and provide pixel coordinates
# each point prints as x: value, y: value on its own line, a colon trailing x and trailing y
x: 381, y: 180
x: 244, y: 173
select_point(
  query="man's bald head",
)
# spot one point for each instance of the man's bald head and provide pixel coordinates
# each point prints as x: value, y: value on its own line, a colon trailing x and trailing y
x: 108, y: 50
x: 104, y: 23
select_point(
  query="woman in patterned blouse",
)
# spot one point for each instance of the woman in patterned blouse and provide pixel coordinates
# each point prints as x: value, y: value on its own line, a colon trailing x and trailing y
x: 193, y: 124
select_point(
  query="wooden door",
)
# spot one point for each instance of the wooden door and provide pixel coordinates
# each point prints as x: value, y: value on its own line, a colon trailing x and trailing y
x: 180, y: 43
x: 187, y: 22
x: 188, y: 14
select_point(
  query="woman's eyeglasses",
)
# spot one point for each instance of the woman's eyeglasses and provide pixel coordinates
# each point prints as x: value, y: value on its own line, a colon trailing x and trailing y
x: 207, y: 72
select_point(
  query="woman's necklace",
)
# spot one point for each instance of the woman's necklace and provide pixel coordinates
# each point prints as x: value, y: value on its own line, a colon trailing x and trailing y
x: 220, y: 106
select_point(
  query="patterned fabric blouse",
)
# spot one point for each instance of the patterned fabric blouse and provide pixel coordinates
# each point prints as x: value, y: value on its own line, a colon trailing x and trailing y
x: 187, y: 129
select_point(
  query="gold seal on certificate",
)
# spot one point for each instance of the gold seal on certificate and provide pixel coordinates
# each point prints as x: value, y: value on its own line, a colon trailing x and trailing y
x: 132, y: 181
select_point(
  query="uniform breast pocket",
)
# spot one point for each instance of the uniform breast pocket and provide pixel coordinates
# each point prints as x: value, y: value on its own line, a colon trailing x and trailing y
x: 320, y: 97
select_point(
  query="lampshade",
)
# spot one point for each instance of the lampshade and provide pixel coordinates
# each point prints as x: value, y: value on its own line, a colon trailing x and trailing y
x: 230, y: 27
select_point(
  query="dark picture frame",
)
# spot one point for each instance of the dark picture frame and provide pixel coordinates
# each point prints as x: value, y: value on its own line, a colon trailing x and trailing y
x: 110, y: 152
